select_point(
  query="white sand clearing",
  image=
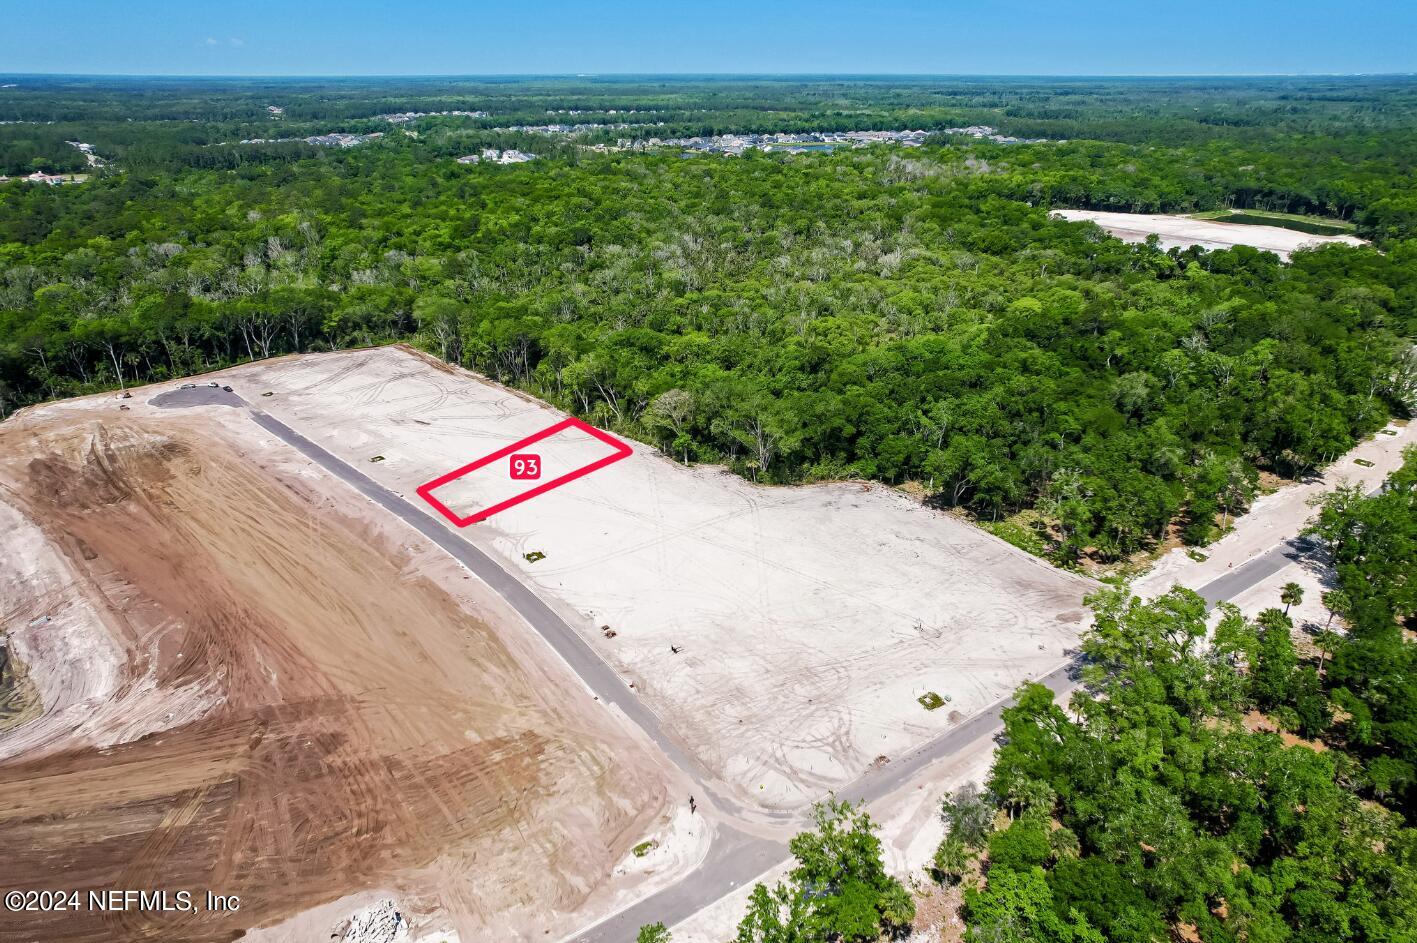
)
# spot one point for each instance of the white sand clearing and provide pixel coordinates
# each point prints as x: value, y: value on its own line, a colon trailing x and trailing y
x: 784, y: 634
x: 1181, y: 232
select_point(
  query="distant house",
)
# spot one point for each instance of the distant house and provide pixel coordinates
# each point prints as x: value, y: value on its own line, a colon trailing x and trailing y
x: 40, y: 177
x: 338, y: 139
x: 491, y: 155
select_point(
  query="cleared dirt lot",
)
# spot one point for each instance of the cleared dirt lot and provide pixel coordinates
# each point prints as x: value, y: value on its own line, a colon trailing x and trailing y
x: 253, y: 684
x: 808, y: 620
x: 1182, y: 231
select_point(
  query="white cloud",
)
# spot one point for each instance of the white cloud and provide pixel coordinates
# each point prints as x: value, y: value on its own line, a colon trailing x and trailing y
x: 237, y: 42
x: 212, y: 41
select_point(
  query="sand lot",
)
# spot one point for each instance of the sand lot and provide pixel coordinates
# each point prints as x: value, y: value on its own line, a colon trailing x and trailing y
x: 807, y: 620
x: 1180, y: 232
x: 254, y: 685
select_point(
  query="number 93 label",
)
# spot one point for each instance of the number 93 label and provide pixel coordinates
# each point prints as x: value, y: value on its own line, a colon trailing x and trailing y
x: 526, y: 466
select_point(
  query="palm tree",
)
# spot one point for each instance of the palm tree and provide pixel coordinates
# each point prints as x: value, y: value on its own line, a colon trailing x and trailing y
x: 1291, y: 595
x: 952, y: 860
x: 1337, y: 601
x: 1328, y: 643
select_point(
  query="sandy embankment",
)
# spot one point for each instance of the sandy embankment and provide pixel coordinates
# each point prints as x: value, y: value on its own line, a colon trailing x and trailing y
x: 1180, y: 232
x: 255, y: 685
x: 1278, y: 517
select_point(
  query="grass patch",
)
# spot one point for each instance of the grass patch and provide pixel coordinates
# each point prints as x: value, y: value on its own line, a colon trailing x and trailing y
x: 1364, y: 462
x: 377, y: 458
x: 1313, y: 225
x: 533, y: 556
x: 931, y: 701
x: 1196, y: 555
x: 1021, y: 530
x: 644, y: 848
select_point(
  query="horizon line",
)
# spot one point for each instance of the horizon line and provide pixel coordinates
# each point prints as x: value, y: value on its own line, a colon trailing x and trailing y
x: 691, y: 75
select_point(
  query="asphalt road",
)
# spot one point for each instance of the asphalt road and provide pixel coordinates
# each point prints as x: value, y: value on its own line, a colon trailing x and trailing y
x: 736, y: 859
x: 733, y: 860
x: 735, y: 856
x: 1253, y: 570
x: 722, y: 872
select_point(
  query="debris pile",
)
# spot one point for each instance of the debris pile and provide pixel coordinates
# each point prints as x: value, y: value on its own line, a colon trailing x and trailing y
x: 379, y: 923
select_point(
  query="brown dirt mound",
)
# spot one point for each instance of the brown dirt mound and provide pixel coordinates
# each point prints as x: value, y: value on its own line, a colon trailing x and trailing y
x: 367, y: 727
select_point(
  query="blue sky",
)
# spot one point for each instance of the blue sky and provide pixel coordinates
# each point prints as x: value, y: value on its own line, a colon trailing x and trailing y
x: 477, y: 37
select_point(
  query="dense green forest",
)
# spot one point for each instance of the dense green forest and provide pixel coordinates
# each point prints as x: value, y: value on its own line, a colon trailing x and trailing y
x: 904, y: 315
x: 1156, y: 805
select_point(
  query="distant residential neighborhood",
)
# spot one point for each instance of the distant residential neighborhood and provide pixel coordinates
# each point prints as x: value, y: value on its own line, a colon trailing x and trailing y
x: 723, y: 144
x: 734, y: 144
x: 987, y: 133
x: 336, y: 139
x: 729, y: 145
x: 87, y: 150
x: 585, y: 128
x: 491, y: 155
x: 40, y: 176
x: 404, y: 116
x: 610, y: 111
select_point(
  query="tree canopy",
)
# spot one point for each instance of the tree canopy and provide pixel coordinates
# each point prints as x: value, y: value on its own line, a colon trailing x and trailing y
x: 838, y: 892
x: 902, y: 315
x: 1176, y: 795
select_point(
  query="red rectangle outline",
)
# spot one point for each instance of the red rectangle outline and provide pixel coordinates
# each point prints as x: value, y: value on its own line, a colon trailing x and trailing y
x: 425, y: 491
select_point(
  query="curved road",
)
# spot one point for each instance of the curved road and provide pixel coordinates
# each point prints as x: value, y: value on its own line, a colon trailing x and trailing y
x: 736, y: 857
x: 730, y: 864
